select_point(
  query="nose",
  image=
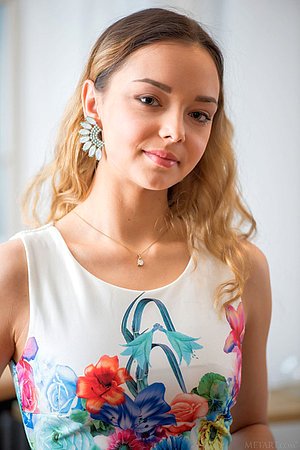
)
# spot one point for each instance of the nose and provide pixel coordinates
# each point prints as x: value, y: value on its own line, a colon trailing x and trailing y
x: 172, y: 127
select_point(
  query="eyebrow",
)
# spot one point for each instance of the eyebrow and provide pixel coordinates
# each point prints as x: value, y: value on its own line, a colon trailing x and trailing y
x: 168, y: 89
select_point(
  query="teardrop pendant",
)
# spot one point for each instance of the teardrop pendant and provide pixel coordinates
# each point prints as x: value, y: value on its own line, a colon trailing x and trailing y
x: 140, y: 261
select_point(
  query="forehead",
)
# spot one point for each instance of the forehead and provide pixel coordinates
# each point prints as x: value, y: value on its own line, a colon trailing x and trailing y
x: 175, y: 63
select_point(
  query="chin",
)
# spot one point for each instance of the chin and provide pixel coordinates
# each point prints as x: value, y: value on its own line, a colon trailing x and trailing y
x: 158, y: 185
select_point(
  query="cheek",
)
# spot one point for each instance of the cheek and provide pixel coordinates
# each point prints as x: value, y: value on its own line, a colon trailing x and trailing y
x: 123, y: 131
x: 199, y: 144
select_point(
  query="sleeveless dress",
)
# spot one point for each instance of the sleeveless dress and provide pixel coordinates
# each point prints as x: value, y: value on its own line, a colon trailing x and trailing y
x: 106, y: 367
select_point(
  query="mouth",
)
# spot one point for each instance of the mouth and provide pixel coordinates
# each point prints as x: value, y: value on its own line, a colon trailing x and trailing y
x: 162, y: 158
x: 162, y: 154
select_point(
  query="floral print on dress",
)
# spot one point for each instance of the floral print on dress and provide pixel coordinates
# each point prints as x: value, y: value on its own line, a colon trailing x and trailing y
x: 233, y: 343
x: 113, y: 407
x: 102, y: 384
x: 187, y: 408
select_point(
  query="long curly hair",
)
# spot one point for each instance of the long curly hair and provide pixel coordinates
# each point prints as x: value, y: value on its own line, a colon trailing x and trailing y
x: 208, y: 201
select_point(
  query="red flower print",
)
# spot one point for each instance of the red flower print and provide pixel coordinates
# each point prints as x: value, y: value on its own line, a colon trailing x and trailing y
x: 236, y: 321
x: 234, y: 341
x: 126, y: 439
x: 29, y: 396
x: 101, y: 383
x: 186, y: 409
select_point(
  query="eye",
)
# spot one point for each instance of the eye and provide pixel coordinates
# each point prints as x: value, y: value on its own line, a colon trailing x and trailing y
x: 200, y: 116
x: 148, y: 100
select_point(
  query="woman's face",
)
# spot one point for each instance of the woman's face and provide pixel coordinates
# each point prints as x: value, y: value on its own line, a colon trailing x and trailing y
x: 156, y: 114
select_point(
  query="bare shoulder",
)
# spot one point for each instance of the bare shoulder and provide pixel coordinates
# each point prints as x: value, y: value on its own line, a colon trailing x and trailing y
x: 13, y: 266
x: 258, y: 259
x: 251, y: 405
x: 13, y: 297
x: 257, y: 293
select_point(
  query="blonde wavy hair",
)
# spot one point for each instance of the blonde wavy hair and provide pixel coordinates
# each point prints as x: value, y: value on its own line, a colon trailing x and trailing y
x: 208, y: 201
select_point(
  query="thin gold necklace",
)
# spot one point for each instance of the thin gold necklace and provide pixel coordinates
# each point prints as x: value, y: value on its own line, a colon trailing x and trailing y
x: 140, y: 261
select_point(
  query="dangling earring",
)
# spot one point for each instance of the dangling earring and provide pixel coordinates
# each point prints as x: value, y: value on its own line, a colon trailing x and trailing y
x: 90, y: 138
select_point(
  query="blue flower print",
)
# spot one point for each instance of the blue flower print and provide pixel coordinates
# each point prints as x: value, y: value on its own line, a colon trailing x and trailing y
x: 143, y: 415
x: 174, y: 443
x: 61, y: 390
x: 140, y: 348
x: 27, y: 419
x: 52, y: 432
x: 183, y: 345
x: 31, y: 349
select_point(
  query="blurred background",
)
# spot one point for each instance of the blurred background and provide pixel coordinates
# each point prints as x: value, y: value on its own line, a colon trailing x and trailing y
x: 43, y: 47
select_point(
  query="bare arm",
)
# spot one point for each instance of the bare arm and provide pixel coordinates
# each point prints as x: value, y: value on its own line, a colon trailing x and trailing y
x: 13, y: 301
x: 250, y: 421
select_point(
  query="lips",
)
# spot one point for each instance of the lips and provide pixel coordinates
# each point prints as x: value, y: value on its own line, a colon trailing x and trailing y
x: 162, y: 158
x: 163, y: 154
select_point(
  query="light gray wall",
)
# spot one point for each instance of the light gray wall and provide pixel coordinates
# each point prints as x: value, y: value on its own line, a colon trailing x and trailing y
x: 261, y: 41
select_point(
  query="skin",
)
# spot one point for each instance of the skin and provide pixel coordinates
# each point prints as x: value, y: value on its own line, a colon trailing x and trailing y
x: 167, y: 124
x: 136, y: 117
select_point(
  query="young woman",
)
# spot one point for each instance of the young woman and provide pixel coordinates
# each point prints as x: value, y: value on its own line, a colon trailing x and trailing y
x: 137, y: 316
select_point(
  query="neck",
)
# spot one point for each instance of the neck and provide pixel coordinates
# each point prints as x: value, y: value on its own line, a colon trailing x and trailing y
x: 128, y: 213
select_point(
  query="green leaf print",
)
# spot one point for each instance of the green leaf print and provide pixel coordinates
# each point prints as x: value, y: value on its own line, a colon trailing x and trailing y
x: 214, y: 388
x: 99, y: 427
x: 79, y: 416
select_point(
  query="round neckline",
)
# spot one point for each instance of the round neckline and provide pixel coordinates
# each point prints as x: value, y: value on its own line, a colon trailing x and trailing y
x: 111, y: 285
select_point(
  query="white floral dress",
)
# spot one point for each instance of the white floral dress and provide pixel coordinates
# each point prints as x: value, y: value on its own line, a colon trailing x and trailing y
x: 107, y: 367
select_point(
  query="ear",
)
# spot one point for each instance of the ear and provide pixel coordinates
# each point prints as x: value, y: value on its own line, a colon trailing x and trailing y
x: 89, y: 103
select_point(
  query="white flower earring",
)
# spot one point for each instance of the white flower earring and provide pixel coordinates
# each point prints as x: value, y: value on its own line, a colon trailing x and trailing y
x: 91, y: 138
